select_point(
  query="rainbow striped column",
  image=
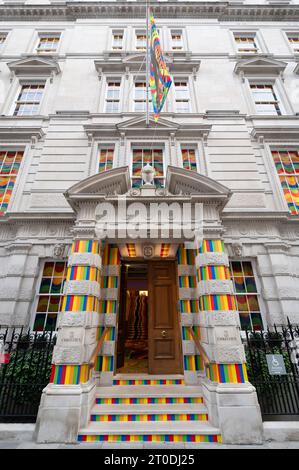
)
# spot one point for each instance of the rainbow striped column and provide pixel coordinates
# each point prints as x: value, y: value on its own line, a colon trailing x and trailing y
x: 108, y: 309
x: 189, y: 306
x: 219, y: 319
x: 79, y: 320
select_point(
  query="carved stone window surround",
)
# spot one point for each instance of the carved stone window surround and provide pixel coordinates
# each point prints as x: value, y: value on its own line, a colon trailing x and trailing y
x: 278, y: 88
x: 37, y: 286
x: 274, y: 178
x: 251, y: 31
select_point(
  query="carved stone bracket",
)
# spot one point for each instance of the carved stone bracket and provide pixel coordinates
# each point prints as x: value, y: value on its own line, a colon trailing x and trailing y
x: 215, y: 287
x: 110, y: 319
x: 237, y: 249
x: 85, y: 259
x: 186, y: 319
x: 84, y: 319
x: 187, y: 293
x: 189, y: 348
x: 219, y: 318
x: 207, y: 259
x: 229, y: 354
x: 59, y: 251
x: 82, y: 288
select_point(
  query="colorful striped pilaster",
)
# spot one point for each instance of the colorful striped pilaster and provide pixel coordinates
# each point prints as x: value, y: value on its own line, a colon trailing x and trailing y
x: 80, y: 303
x: 88, y: 276
x: 81, y: 298
x: 109, y: 285
x: 111, y: 255
x: 69, y: 374
x: 86, y: 246
x: 83, y: 273
x: 187, y: 284
x: 213, y: 280
x: 227, y: 373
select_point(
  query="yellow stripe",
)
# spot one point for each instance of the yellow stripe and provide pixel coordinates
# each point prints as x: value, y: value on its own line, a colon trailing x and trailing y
x: 68, y: 371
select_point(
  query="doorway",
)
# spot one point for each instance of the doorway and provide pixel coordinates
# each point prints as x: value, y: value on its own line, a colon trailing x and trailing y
x: 149, y: 337
x: 132, y: 339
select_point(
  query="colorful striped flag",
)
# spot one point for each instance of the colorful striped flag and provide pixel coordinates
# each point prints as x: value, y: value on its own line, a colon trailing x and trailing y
x: 160, y: 80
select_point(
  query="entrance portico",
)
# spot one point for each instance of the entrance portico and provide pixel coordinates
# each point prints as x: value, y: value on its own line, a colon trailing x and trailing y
x: 201, y: 303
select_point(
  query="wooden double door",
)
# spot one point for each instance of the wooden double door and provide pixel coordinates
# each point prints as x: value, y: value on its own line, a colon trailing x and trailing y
x: 164, y: 336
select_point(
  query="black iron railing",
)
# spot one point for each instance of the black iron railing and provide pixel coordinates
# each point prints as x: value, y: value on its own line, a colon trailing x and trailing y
x: 25, y: 367
x: 278, y: 395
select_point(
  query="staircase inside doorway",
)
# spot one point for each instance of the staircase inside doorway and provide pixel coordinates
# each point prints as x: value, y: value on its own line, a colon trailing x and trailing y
x: 147, y: 408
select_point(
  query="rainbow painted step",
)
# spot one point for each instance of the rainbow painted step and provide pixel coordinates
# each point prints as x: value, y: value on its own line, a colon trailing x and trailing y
x: 148, y: 382
x: 151, y: 417
x: 145, y: 410
x: 151, y: 438
x: 148, y: 400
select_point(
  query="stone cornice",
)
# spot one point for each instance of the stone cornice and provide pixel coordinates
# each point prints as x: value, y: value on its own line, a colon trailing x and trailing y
x: 37, y: 217
x: 276, y: 133
x: 128, y: 62
x: 222, y: 11
x: 262, y: 216
x: 34, y: 66
x: 21, y: 134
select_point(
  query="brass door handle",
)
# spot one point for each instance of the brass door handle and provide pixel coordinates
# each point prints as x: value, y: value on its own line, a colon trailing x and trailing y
x: 163, y: 334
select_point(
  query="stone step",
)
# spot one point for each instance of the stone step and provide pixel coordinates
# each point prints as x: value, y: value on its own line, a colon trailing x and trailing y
x: 158, y: 400
x: 149, y: 409
x: 158, y: 431
x: 138, y: 413
x: 146, y: 379
x: 145, y: 391
x: 148, y: 376
x: 150, y: 381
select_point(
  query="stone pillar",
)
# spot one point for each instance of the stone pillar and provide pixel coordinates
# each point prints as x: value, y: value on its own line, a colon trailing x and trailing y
x: 110, y: 282
x: 19, y: 268
x: 189, y: 306
x: 278, y: 268
x: 67, y: 400
x: 230, y: 398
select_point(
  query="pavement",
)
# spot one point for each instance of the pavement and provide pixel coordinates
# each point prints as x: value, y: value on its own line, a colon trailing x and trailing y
x: 15, y: 444
x: 278, y: 436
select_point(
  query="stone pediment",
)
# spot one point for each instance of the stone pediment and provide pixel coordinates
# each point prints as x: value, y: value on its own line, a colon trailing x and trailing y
x: 260, y: 66
x: 139, y: 58
x: 135, y: 62
x: 140, y: 123
x: 180, y: 184
x: 97, y: 187
x: 186, y: 182
x: 164, y: 128
x: 34, y: 66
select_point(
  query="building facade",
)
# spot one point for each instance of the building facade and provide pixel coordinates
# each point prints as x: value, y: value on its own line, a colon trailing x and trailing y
x: 73, y: 138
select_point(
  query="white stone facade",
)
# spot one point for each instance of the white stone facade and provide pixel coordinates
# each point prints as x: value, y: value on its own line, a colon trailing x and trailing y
x: 233, y: 142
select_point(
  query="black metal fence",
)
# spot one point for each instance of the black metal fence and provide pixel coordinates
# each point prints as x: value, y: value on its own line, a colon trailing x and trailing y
x: 25, y: 367
x: 277, y: 390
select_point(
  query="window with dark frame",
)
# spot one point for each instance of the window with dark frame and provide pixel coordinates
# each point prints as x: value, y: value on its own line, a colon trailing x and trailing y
x: 29, y: 99
x: 265, y: 99
x: 106, y: 159
x: 246, y: 43
x: 48, y: 43
x: 142, y: 157
x: 189, y: 158
x: 50, y: 295
x: 10, y: 162
x: 113, y: 96
x: 287, y: 167
x: 247, y: 296
x: 182, y: 96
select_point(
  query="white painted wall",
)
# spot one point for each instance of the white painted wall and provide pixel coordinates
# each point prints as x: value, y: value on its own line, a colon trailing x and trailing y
x: 74, y: 98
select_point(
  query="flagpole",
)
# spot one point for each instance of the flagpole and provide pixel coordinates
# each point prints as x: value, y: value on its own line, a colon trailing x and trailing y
x: 147, y: 62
